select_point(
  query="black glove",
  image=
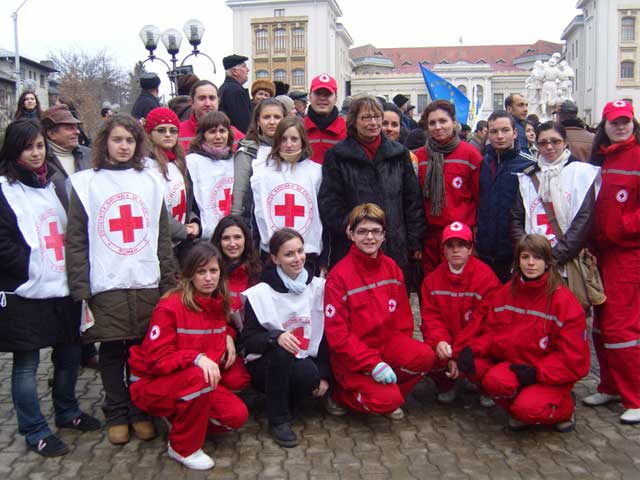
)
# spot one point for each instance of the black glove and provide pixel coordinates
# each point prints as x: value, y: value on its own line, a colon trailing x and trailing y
x: 466, y: 364
x: 526, y: 374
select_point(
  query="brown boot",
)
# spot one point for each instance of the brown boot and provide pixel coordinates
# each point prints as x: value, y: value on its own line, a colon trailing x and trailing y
x: 118, y: 434
x: 144, y: 430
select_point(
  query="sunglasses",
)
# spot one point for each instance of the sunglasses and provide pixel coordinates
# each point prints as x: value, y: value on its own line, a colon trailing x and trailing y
x: 164, y: 130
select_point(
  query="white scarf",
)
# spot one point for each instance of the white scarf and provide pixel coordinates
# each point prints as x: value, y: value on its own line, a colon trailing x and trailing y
x: 551, y: 188
x: 296, y: 285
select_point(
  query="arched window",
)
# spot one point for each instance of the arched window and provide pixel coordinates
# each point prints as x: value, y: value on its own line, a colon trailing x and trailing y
x: 261, y: 74
x: 463, y: 89
x: 479, y: 96
x: 298, y: 39
x: 280, y: 75
x: 628, y: 29
x: 298, y: 77
x: 261, y: 41
x: 626, y: 70
x: 280, y: 40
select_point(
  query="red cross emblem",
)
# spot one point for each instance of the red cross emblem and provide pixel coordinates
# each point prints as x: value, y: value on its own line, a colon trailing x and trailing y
x: 179, y: 211
x: 221, y: 198
x: 457, y: 182
x: 290, y: 205
x: 289, y: 210
x: 122, y: 222
x: 543, y: 221
x: 622, y: 195
x: 55, y: 241
x: 224, y: 205
x: 127, y: 224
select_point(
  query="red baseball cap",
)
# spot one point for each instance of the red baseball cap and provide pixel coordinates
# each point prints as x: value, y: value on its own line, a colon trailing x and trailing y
x: 457, y: 230
x: 617, y: 109
x: 324, y: 80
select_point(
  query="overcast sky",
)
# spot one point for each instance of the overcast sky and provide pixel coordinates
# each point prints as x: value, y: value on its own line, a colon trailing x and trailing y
x: 50, y: 25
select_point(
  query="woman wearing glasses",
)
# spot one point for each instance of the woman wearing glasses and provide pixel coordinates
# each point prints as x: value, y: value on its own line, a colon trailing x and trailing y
x: 367, y: 167
x: 166, y: 161
x: 559, y: 185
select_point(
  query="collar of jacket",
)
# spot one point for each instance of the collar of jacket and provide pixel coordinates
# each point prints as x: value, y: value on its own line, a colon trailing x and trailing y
x: 28, y: 177
x: 332, y: 127
x: 532, y: 287
x: 350, y: 148
x: 463, y: 277
x: 364, y: 261
x: 505, y: 156
x: 270, y: 277
x: 209, y: 304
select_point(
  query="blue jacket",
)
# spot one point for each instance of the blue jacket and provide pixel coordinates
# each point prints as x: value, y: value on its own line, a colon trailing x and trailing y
x: 522, y: 138
x: 498, y: 192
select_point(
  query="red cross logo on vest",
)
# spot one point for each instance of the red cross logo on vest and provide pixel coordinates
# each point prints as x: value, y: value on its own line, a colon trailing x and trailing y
x: 289, y: 210
x: 543, y: 221
x: 55, y: 241
x: 290, y: 205
x: 179, y: 211
x: 225, y: 205
x: 221, y: 197
x: 51, y: 234
x: 127, y: 224
x: 123, y: 222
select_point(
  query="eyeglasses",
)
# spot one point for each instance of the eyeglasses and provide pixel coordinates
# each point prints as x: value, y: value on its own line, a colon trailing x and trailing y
x: 163, y: 130
x: 554, y: 141
x: 364, y: 232
x: 368, y: 118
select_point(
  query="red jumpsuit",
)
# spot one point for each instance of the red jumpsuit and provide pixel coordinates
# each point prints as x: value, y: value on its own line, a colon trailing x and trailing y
x: 323, y: 140
x: 616, y: 329
x: 188, y: 133
x: 237, y: 282
x: 167, y: 383
x: 448, y: 302
x: 461, y: 197
x: 368, y: 320
x: 548, y: 333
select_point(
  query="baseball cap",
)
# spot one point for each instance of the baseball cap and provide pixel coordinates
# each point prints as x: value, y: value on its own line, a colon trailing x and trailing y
x: 457, y: 230
x: 617, y: 109
x: 324, y: 80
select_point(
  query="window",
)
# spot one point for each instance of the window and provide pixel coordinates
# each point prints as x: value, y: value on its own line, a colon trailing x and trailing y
x: 261, y: 41
x: 280, y: 75
x: 298, y: 76
x: 262, y: 74
x: 278, y: 12
x: 628, y: 29
x: 498, y: 101
x: 462, y: 89
x: 298, y: 39
x: 423, y: 101
x: 626, y: 70
x: 479, y: 95
x: 41, y: 81
x: 280, y: 40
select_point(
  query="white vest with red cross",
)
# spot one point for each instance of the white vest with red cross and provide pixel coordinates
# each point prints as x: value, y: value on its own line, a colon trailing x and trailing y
x: 175, y: 193
x: 123, y: 221
x: 576, y: 179
x: 212, y: 188
x: 42, y: 222
x: 288, y: 198
x: 300, y: 314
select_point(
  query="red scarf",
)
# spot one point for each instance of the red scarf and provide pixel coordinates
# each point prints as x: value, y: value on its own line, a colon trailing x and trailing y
x: 614, y: 147
x: 372, y: 147
x: 170, y: 154
x: 41, y: 173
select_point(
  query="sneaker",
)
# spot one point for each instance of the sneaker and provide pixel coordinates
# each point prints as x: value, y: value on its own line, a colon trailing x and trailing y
x: 566, y: 426
x: 283, y: 435
x: 332, y: 407
x: 486, y: 402
x: 598, y: 399
x: 83, y: 422
x: 516, y: 425
x: 50, y: 446
x: 118, y: 434
x: 631, y: 416
x: 470, y: 387
x: 448, y: 396
x: 144, y: 429
x: 198, y: 460
x: 397, y: 414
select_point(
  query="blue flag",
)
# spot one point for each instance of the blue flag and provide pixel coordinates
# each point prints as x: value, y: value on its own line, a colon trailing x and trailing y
x: 440, y: 89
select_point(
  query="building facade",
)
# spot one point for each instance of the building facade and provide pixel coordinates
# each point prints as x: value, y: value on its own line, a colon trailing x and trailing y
x: 292, y: 41
x: 602, y: 45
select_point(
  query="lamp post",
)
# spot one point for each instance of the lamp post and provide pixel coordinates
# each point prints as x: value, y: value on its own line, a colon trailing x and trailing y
x: 171, y: 39
x: 14, y: 15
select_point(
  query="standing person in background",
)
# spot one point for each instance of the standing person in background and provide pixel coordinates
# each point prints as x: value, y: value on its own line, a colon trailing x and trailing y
x: 181, y: 104
x: 148, y: 98
x: 289, y: 106
x: 580, y: 140
x: 392, y: 128
x: 479, y: 138
x: 518, y: 106
x: 28, y: 106
x: 261, y: 90
x: 83, y: 138
x: 300, y: 101
x: 530, y: 133
x: 234, y: 99
x: 119, y: 260
x: 325, y: 127
x: 616, y: 234
x: 405, y: 107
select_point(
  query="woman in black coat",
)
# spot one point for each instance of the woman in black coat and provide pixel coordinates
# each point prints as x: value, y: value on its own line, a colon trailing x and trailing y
x: 367, y: 167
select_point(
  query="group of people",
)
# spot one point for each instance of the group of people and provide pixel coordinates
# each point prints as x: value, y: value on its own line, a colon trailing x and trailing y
x: 206, y: 254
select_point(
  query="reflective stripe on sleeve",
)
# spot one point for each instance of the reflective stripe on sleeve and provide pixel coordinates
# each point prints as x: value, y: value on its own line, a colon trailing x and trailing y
x: 535, y: 313
x: 618, y: 346
x: 192, y: 331
x: 462, y: 162
x: 193, y: 395
x: 621, y: 172
x: 353, y: 291
x: 456, y: 294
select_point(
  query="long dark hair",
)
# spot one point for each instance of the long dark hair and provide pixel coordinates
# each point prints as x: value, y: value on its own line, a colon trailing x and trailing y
x: 253, y: 133
x: 20, y: 134
x: 249, y: 257
x: 157, y: 153
x: 21, y: 111
x: 100, y: 151
x: 602, y: 140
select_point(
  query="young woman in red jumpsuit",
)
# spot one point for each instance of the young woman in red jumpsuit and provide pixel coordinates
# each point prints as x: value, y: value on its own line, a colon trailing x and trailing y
x: 616, y: 233
x: 375, y: 360
x: 534, y: 347
x: 186, y: 366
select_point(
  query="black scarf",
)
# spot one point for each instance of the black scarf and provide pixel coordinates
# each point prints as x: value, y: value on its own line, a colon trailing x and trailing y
x: 323, y: 121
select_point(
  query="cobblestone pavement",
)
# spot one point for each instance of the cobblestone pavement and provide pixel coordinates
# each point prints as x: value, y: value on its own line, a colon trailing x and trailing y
x: 460, y: 441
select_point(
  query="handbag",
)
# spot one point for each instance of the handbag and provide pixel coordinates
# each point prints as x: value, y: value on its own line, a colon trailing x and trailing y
x: 583, y: 276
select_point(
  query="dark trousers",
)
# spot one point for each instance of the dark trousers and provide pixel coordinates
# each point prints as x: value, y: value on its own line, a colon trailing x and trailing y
x: 114, y: 371
x: 285, y: 380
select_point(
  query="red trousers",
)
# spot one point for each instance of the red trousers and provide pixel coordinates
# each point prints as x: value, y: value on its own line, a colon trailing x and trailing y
x: 535, y: 404
x: 410, y: 360
x: 190, y: 405
x: 616, y: 336
x: 431, y: 250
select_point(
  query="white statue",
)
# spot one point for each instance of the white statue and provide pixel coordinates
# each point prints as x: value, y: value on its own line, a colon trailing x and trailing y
x: 549, y: 84
x: 533, y: 85
x: 566, y: 81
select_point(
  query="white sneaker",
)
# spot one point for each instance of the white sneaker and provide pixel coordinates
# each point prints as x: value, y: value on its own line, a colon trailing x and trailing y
x: 448, y: 396
x: 598, y: 399
x: 486, y: 402
x: 631, y: 416
x: 397, y: 414
x: 198, y: 460
x: 332, y: 408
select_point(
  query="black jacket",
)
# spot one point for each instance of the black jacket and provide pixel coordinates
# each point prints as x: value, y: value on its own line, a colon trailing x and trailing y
x: 236, y: 103
x: 349, y: 178
x: 144, y: 104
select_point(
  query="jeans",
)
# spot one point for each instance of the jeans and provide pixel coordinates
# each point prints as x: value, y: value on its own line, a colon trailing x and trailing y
x: 24, y: 390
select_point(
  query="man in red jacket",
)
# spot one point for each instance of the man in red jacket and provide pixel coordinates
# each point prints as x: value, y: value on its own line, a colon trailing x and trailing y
x: 375, y: 360
x: 325, y: 127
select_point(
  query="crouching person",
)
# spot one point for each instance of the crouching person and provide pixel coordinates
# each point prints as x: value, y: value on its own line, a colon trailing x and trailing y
x: 533, y: 348
x: 186, y: 366
x: 369, y: 326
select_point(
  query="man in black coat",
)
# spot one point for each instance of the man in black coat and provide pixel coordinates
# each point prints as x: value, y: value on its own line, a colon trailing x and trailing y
x: 148, y: 99
x: 234, y: 99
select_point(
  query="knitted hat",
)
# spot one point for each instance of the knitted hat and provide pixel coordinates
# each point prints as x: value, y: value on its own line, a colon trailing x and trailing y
x: 160, y: 116
x: 266, y: 85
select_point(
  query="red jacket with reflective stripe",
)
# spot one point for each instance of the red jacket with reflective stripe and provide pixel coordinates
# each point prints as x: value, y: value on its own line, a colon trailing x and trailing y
x: 365, y: 304
x: 188, y: 132
x: 237, y: 282
x: 461, y: 185
x: 178, y: 335
x: 549, y: 333
x: 449, y: 300
x: 323, y: 140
